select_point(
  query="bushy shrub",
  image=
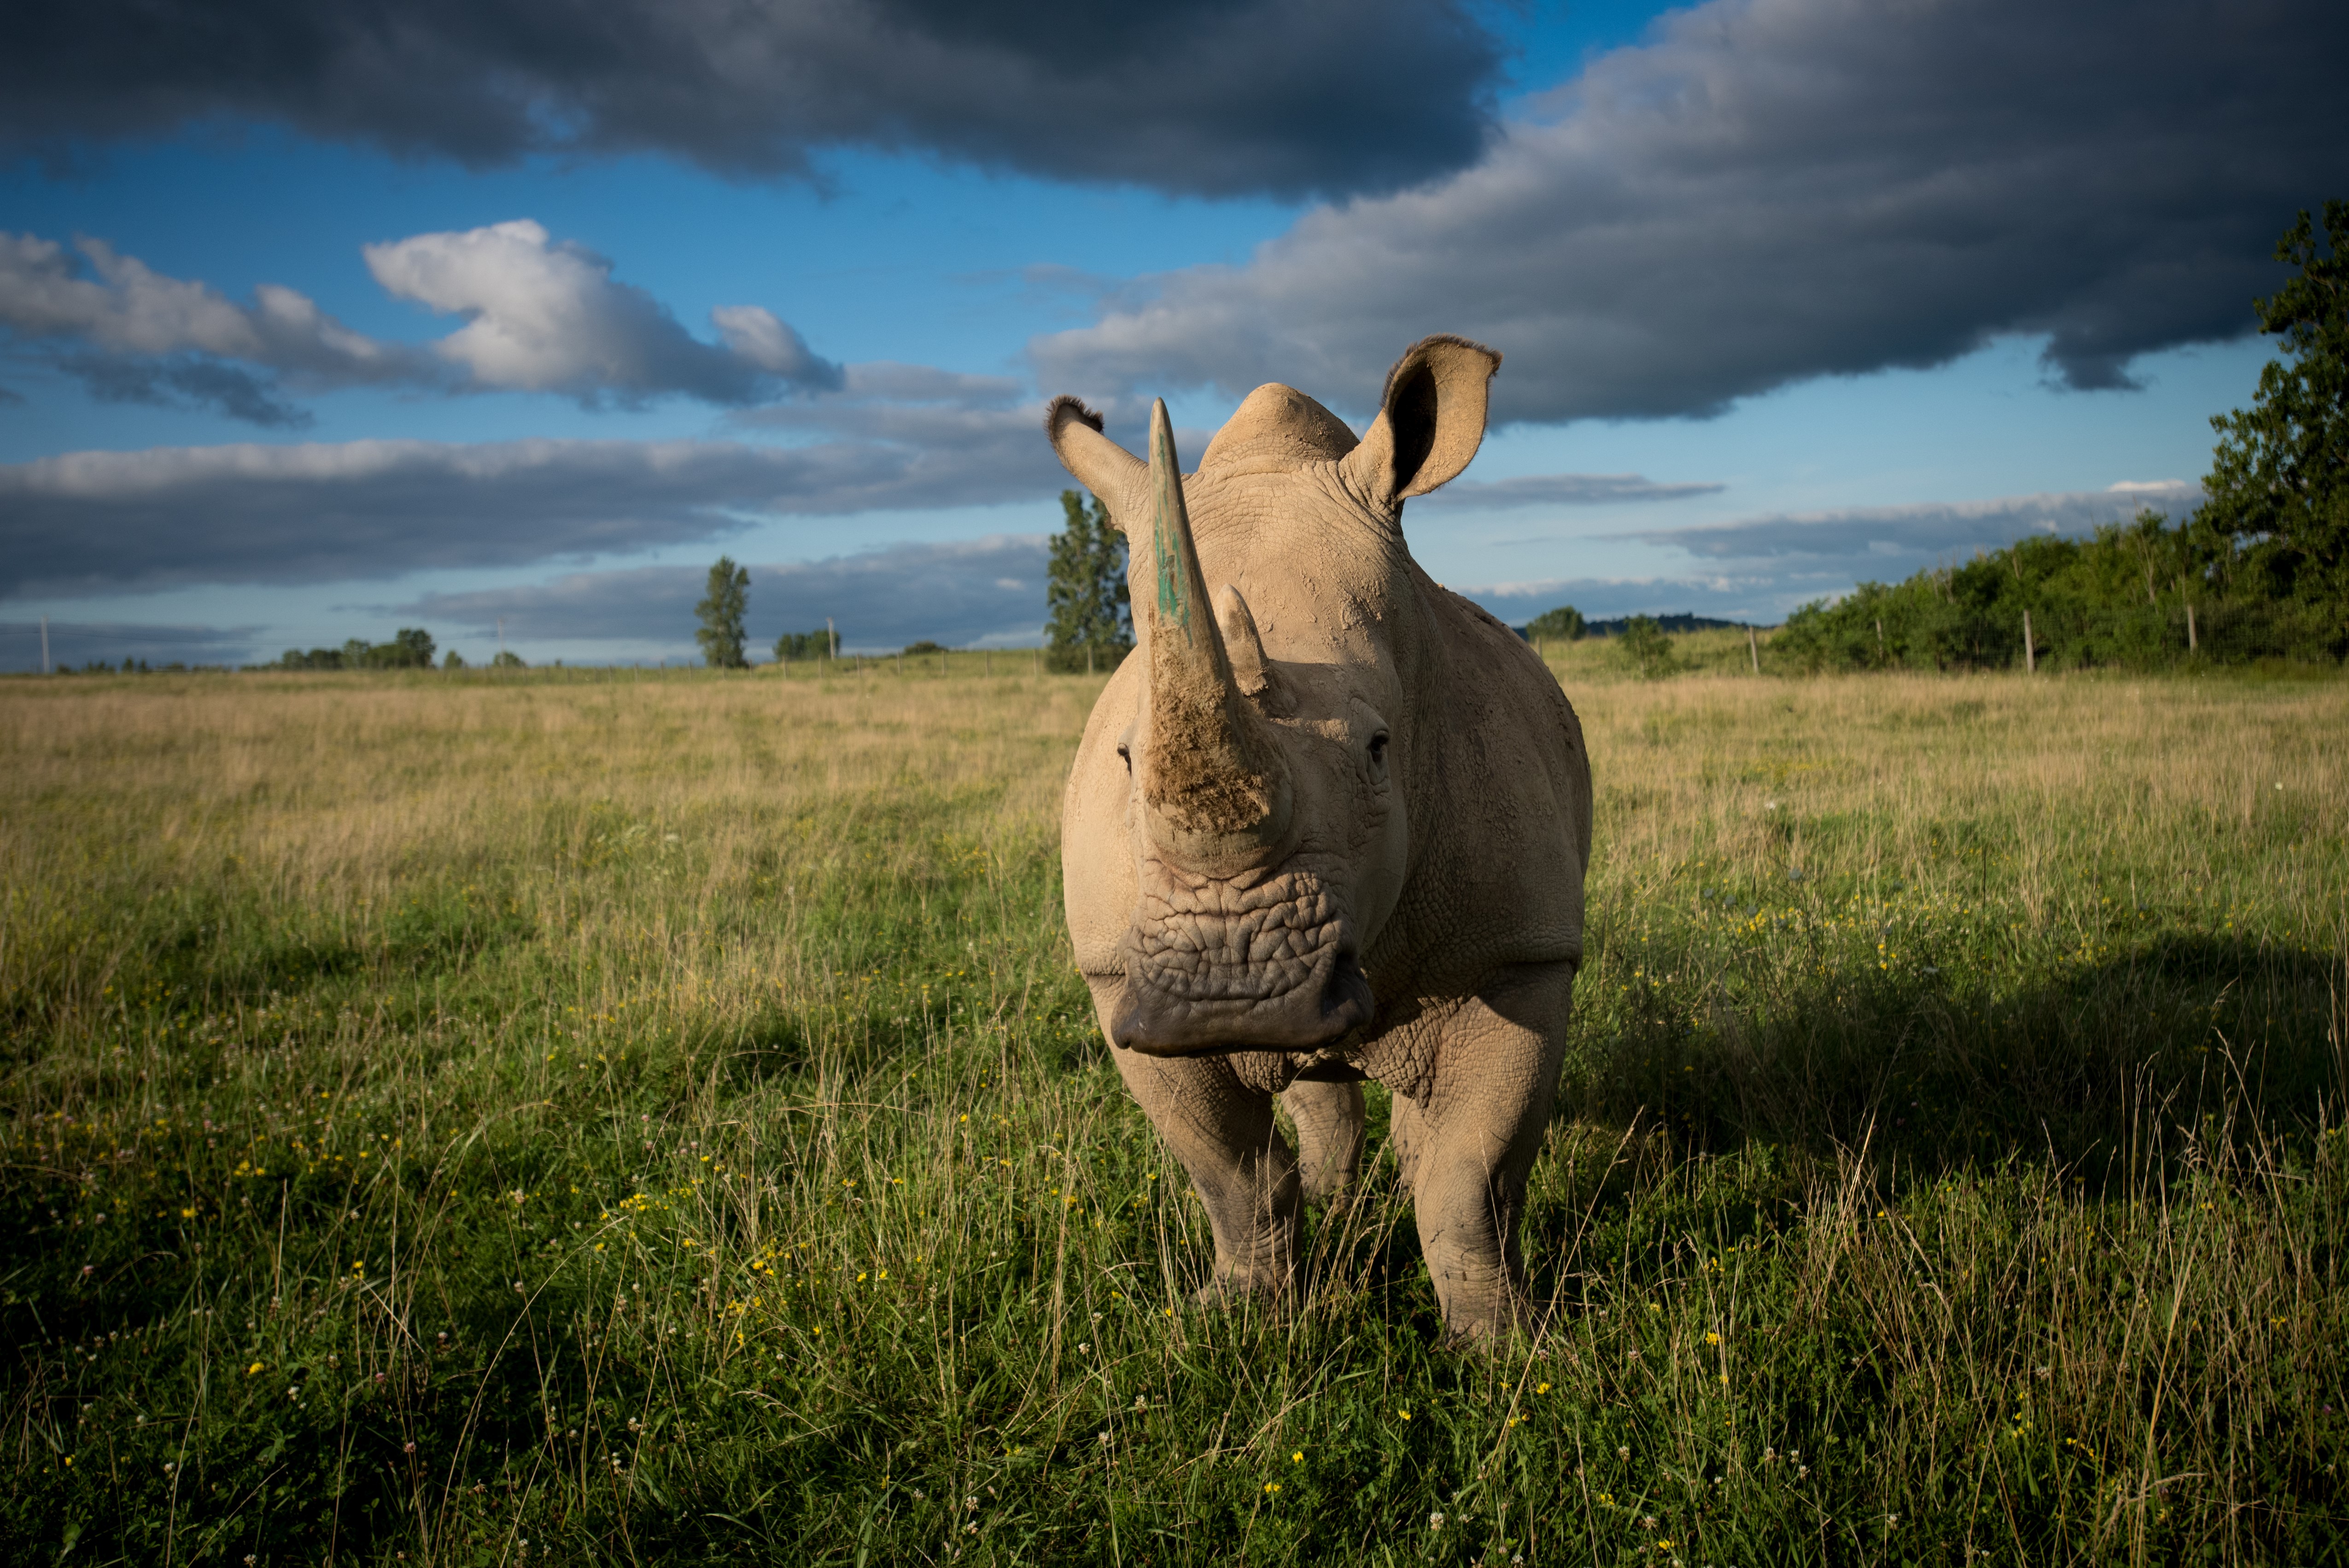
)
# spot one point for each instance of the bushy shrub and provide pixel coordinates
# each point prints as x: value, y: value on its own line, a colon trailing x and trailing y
x: 1648, y: 648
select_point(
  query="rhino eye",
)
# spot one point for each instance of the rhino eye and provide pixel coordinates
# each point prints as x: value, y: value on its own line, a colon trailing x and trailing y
x: 1379, y: 749
x: 1125, y: 755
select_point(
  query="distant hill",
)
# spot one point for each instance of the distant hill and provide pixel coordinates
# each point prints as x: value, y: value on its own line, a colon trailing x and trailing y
x: 1669, y: 623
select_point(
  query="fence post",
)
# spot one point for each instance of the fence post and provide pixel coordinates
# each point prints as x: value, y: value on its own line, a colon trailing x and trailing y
x: 2030, y: 654
x: 2191, y: 643
x: 1753, y: 649
x: 1088, y: 658
x: 1881, y: 655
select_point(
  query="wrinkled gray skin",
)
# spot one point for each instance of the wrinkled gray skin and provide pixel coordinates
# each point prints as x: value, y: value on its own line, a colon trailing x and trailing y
x: 1328, y: 823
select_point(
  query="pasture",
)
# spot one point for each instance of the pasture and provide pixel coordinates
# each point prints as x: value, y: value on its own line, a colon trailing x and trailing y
x: 592, y: 1117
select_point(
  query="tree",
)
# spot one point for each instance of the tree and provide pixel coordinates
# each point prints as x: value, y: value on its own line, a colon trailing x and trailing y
x: 1092, y: 625
x: 794, y: 647
x: 1649, y: 647
x: 721, y: 611
x: 410, y: 649
x: 2279, y: 479
x: 1563, y: 624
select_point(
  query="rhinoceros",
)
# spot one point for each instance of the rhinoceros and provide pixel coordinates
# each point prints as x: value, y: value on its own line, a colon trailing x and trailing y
x: 1327, y: 824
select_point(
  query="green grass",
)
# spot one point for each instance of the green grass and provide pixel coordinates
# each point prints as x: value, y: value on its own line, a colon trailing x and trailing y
x: 629, y: 1120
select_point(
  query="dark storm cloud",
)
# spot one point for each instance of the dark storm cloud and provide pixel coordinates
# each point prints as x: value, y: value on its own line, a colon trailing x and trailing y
x: 1557, y: 489
x: 85, y: 521
x: 957, y: 593
x: 1770, y: 189
x: 73, y: 644
x: 1214, y: 97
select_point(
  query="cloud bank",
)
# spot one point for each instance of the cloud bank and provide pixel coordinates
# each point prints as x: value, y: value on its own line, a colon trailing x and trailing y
x: 73, y: 644
x: 1773, y: 189
x: 1557, y: 489
x: 1210, y: 97
x: 960, y: 595
x: 86, y: 522
x: 1869, y: 538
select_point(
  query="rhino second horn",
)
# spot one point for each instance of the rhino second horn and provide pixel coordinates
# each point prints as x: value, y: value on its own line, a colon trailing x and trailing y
x: 1214, y: 786
x: 1242, y: 647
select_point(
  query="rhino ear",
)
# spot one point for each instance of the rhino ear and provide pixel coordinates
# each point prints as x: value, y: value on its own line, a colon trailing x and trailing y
x: 1103, y: 467
x: 1431, y: 421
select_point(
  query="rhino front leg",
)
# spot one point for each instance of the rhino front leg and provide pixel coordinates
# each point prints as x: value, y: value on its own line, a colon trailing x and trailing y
x: 1223, y: 1132
x: 1472, y: 1137
x: 1328, y: 1118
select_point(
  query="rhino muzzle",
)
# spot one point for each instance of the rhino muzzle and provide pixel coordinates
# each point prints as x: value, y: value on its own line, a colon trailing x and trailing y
x: 1250, y: 964
x: 1159, y: 1020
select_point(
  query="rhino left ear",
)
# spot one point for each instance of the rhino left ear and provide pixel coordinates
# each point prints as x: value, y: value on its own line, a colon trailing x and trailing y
x: 1431, y: 421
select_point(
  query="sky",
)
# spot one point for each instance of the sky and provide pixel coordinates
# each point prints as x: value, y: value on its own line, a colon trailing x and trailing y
x: 506, y: 318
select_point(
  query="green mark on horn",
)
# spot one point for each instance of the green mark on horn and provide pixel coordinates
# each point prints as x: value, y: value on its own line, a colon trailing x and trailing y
x: 1168, y: 534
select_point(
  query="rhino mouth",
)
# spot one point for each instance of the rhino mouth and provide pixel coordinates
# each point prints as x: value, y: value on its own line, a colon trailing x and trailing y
x: 1224, y: 966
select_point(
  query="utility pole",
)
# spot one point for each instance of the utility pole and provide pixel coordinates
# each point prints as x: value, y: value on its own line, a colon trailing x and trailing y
x: 44, y: 645
x: 2191, y: 643
x: 1753, y: 649
x: 501, y: 640
x: 2030, y: 654
x: 832, y: 633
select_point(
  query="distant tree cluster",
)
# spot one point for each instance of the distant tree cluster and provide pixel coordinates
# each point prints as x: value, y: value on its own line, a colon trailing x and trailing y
x: 1563, y: 624
x: 2259, y: 571
x: 797, y: 647
x: 410, y: 649
x: 141, y: 668
x: 1091, y: 623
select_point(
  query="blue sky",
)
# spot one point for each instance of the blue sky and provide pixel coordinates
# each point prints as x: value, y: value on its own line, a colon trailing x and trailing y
x: 1792, y: 293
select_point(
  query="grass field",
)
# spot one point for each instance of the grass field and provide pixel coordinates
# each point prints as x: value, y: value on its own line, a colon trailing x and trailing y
x: 615, y: 1119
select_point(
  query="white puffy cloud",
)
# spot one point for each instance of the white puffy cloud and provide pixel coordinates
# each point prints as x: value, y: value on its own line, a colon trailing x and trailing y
x: 117, y: 306
x: 542, y: 317
x: 550, y: 317
x: 1765, y: 191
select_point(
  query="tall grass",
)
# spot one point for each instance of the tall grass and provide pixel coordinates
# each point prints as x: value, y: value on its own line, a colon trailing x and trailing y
x: 618, y: 1120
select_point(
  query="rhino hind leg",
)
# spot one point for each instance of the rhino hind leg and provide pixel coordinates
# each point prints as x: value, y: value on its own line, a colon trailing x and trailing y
x: 1223, y: 1131
x: 1467, y: 1145
x: 1329, y: 1121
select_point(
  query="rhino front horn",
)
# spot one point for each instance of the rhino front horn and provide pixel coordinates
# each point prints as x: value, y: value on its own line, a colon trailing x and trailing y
x: 1214, y: 787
